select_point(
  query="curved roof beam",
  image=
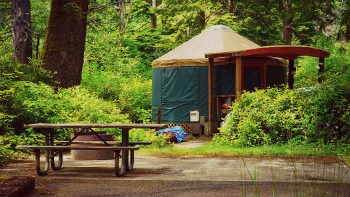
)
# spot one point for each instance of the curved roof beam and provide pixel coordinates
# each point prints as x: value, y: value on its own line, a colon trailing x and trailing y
x: 281, y: 51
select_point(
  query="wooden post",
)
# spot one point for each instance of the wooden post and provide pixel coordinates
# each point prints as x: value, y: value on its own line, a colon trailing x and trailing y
x: 239, y: 75
x: 291, y: 72
x: 211, y: 89
x: 159, y: 116
x: 264, y: 77
x: 321, y: 70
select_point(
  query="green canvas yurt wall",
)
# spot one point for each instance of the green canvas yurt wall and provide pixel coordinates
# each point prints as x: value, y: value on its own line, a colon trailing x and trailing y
x: 180, y: 77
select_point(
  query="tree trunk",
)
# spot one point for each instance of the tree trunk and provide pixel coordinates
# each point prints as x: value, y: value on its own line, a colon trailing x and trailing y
x: 122, y: 6
x: 230, y: 6
x: 201, y: 15
x: 287, y: 32
x: 21, y: 32
x: 153, y: 15
x: 346, y: 22
x: 63, y: 51
x: 286, y: 22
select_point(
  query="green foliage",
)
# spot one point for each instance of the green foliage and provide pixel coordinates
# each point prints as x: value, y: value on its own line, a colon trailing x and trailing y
x: 105, y: 84
x: 277, y: 116
x: 329, y: 107
x: 78, y: 105
x: 225, y: 19
x: 12, y: 77
x: 257, y: 20
x: 147, y: 135
x: 9, y: 141
x: 264, y: 117
x: 6, y: 148
x: 336, y: 64
x: 132, y: 95
x: 33, y: 103
x: 135, y: 99
x: 39, y: 14
x: 141, y: 45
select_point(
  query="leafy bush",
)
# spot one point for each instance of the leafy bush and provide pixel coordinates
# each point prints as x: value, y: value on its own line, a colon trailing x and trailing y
x: 40, y: 103
x: 147, y: 135
x: 6, y: 148
x: 264, y: 117
x: 79, y: 105
x: 319, y: 114
x: 33, y: 103
x: 131, y: 94
x: 329, y: 111
x: 135, y: 99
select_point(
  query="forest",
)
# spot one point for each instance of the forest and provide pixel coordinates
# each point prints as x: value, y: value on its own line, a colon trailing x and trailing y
x: 96, y: 67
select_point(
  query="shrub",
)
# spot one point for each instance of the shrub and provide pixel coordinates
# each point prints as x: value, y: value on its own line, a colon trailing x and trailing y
x: 135, y: 99
x: 40, y: 103
x: 264, y: 117
x: 6, y: 150
x: 33, y: 103
x: 131, y: 94
x: 147, y: 135
x: 78, y: 105
x: 320, y: 114
x: 329, y: 111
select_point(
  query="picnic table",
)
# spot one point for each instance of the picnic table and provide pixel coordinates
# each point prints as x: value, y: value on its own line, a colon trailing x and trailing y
x: 53, y: 148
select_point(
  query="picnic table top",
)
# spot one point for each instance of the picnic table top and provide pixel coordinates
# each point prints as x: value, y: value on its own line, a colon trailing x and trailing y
x: 104, y: 125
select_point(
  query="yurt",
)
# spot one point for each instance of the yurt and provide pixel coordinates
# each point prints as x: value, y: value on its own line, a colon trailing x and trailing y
x: 180, y: 78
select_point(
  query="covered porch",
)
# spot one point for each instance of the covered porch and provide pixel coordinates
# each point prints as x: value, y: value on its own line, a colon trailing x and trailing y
x: 284, y: 52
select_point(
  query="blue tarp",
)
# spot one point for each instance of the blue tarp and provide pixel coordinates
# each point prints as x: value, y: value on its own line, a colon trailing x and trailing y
x: 177, y: 131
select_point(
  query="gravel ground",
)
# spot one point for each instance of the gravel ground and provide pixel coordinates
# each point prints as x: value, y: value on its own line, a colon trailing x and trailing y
x: 198, y: 176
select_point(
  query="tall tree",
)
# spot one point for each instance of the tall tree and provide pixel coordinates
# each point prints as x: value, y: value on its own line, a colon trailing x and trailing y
x: 21, y: 31
x: 230, y: 6
x: 5, y: 19
x: 287, y: 20
x: 122, y: 7
x: 291, y: 19
x: 188, y: 17
x: 153, y: 14
x: 63, y: 51
x: 344, y: 5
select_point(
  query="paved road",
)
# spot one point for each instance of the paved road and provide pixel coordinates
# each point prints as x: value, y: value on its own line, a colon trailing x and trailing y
x: 199, y: 176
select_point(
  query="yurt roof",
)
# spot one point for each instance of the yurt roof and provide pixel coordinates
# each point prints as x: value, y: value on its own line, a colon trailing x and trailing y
x: 218, y: 38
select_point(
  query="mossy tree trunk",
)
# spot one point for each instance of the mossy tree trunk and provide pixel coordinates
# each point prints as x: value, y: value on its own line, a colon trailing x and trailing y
x: 63, y: 51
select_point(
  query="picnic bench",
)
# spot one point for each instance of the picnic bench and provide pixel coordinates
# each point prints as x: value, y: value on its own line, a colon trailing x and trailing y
x: 54, y: 148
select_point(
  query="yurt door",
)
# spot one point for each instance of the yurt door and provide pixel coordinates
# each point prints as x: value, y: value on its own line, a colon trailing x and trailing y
x: 253, y: 77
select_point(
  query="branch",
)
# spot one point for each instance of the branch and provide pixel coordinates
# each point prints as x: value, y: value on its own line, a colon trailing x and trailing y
x: 93, y: 9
